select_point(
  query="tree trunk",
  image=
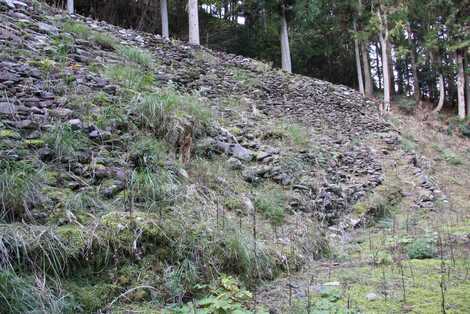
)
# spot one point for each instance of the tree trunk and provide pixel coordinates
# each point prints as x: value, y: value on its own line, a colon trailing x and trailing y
x: 385, y: 61
x: 193, y: 19
x: 460, y: 84
x: 377, y: 62
x: 414, y: 67
x: 467, y: 86
x: 164, y: 16
x: 70, y: 8
x: 358, y: 61
x: 390, y: 65
x: 285, y: 51
x: 369, y: 89
x: 440, y: 104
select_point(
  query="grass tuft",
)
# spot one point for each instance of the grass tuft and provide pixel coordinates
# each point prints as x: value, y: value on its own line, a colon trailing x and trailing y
x: 20, y: 188
x: 136, y: 55
x: 30, y: 295
x: 169, y: 111
x: 66, y: 142
x: 130, y: 77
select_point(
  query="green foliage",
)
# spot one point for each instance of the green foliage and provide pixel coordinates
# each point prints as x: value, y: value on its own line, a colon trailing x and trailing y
x: 421, y: 248
x: 20, y: 188
x: 66, y: 142
x: 136, y: 55
x: 408, y: 143
x: 271, y: 204
x: 294, y: 134
x: 148, y: 152
x: 32, y: 247
x: 130, y: 77
x: 227, y: 297
x: 28, y: 295
x: 78, y: 29
x: 64, y: 45
x: 105, y: 40
x: 168, y: 111
x: 152, y: 190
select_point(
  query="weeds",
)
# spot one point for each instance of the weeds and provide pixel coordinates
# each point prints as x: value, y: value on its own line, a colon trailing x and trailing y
x: 132, y: 78
x: 294, y: 134
x: 104, y: 40
x: 168, y: 111
x: 136, y: 55
x: 81, y: 30
x: 66, y: 142
x: 28, y: 295
x: 38, y: 248
x: 148, y: 152
x: 20, y: 188
x: 271, y: 204
x: 151, y: 190
x: 421, y: 248
x: 78, y: 29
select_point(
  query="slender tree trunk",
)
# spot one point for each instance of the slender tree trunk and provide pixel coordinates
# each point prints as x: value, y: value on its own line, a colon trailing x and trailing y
x: 285, y: 51
x: 390, y: 65
x: 440, y: 79
x: 369, y: 89
x: 364, y: 46
x: 414, y: 67
x: 377, y: 62
x: 358, y: 61
x: 164, y: 16
x: 460, y: 84
x: 467, y: 86
x: 385, y: 61
x: 70, y: 7
x: 193, y: 19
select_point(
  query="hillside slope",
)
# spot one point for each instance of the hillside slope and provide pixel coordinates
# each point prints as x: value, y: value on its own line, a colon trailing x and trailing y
x: 139, y: 174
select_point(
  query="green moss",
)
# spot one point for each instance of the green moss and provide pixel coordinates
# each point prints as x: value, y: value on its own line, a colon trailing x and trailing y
x: 9, y: 134
x: 74, y: 238
x: 34, y: 143
x: 92, y: 296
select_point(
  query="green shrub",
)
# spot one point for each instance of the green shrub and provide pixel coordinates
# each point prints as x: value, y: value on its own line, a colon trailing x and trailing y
x: 20, y: 188
x: 66, y: 142
x: 136, y: 55
x: 148, y: 152
x: 105, y: 40
x: 421, y: 249
x: 153, y: 190
x: 25, y: 295
x: 32, y: 248
x: 271, y: 204
x: 78, y: 29
x: 169, y: 111
x: 130, y: 77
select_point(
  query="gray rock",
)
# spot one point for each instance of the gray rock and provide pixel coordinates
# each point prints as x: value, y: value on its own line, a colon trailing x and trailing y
x: 7, y: 108
x: 371, y: 296
x: 76, y: 124
x: 234, y: 163
x: 48, y: 28
x: 25, y: 124
x: 235, y: 150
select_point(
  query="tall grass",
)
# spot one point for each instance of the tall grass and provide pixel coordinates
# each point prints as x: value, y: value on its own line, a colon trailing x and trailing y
x: 130, y: 77
x: 30, y: 295
x: 20, y: 188
x: 136, y: 55
x: 66, y: 142
x: 32, y: 247
x: 167, y: 110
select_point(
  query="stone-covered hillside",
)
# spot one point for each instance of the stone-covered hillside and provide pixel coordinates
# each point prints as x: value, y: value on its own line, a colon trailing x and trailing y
x: 139, y: 174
